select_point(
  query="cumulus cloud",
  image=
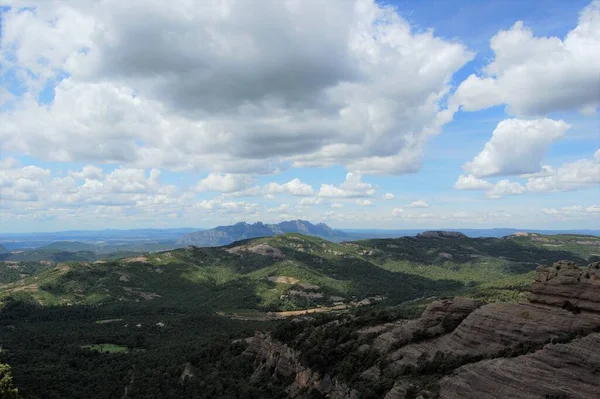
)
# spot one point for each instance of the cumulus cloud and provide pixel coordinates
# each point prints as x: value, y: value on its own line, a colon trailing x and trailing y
x: 221, y: 206
x: 294, y: 187
x: 352, y: 187
x: 470, y: 182
x: 306, y: 202
x: 418, y: 204
x: 536, y: 75
x: 582, y: 173
x: 572, y: 211
x: 224, y: 183
x: 388, y: 196
x: 517, y: 146
x: 123, y: 186
x: 349, y: 84
x: 504, y: 188
x: 364, y: 202
x: 88, y: 172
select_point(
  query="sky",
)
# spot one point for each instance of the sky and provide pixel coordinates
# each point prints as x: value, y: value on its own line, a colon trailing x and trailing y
x: 360, y: 114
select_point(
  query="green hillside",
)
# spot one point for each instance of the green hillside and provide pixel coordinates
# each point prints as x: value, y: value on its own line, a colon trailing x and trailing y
x: 297, y: 272
x: 138, y: 324
x: 586, y: 246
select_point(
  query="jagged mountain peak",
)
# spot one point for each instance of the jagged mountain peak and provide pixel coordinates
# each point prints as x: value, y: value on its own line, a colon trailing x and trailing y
x: 224, y: 235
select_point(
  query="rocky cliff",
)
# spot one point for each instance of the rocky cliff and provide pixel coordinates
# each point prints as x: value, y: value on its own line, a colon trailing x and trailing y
x: 556, y: 371
x: 279, y: 361
x: 568, y: 286
x: 548, y: 347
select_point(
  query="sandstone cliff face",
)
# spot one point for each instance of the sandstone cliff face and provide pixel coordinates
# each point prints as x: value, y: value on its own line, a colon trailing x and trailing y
x: 564, y: 299
x: 517, y: 343
x: 566, y: 285
x: 557, y: 371
x: 499, y: 326
x: 438, y: 318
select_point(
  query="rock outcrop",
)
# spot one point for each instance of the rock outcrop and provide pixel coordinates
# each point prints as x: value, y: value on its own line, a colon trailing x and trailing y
x: 557, y: 371
x: 438, y: 318
x: 441, y: 234
x: 564, y: 305
x: 279, y: 361
x: 260, y: 249
x: 568, y: 286
x: 548, y: 347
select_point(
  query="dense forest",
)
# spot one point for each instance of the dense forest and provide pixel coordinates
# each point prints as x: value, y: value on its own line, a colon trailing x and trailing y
x: 176, y: 324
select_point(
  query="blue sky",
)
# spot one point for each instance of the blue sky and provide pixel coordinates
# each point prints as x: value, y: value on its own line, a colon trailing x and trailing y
x: 397, y: 114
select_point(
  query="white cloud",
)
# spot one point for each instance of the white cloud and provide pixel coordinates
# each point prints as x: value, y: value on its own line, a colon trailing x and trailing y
x: 388, y: 196
x: 398, y: 212
x: 280, y: 209
x: 21, y: 183
x: 306, y: 202
x: 294, y: 187
x: 470, y: 182
x: 123, y: 186
x: 364, y: 202
x: 504, y: 188
x: 569, y: 176
x: 88, y: 172
x: 337, y: 205
x: 352, y: 187
x: 224, y: 183
x: 418, y: 204
x: 536, y: 75
x: 572, y: 211
x: 516, y: 147
x: 352, y: 84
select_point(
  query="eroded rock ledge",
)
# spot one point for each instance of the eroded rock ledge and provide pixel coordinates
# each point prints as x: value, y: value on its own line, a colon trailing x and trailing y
x: 547, y: 346
x: 568, y: 286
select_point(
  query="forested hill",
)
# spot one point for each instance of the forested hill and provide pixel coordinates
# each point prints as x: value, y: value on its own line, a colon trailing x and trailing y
x: 150, y: 325
x: 293, y: 271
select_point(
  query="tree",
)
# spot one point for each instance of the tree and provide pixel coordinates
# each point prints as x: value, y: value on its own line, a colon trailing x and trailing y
x: 7, y: 388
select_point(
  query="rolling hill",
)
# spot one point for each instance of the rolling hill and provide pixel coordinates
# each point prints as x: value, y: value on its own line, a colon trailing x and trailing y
x: 149, y: 325
x: 292, y: 271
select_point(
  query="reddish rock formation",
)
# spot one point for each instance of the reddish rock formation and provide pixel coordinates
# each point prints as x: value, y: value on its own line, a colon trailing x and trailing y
x: 566, y: 285
x: 438, y: 318
x: 557, y: 371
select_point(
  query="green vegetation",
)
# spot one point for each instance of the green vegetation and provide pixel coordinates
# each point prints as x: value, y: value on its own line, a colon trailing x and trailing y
x: 15, y: 271
x: 585, y: 246
x: 319, y: 273
x: 106, y: 348
x: 141, y: 324
x: 7, y: 387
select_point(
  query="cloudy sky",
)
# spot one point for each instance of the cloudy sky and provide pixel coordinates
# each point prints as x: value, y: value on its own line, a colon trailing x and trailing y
x: 361, y: 114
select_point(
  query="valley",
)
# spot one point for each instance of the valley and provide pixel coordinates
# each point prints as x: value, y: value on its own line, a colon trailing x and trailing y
x: 368, y: 318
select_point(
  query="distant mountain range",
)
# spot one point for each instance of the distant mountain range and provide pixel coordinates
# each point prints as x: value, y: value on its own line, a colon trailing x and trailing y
x: 224, y: 235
